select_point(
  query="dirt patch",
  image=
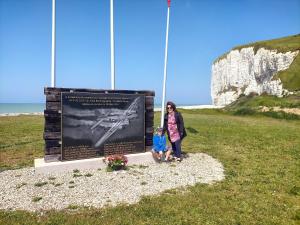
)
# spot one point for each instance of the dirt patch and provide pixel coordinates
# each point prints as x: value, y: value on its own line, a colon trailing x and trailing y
x: 277, y: 109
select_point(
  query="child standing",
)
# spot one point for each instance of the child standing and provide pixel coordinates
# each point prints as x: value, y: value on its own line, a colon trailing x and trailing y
x: 160, y: 145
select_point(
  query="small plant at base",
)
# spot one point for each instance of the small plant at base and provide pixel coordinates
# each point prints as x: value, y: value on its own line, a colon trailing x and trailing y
x: 51, y: 178
x: 116, y: 162
x: 88, y: 175
x: 21, y: 185
x: 76, y: 171
x: 40, y: 184
x: 143, y: 166
x: 73, y: 207
x: 77, y: 175
x: 36, y: 199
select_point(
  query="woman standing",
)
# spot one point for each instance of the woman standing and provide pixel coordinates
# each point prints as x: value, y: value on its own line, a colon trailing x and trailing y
x: 173, y: 124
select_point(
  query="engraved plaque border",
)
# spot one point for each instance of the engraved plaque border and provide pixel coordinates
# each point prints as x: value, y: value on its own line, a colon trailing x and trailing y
x: 117, y: 94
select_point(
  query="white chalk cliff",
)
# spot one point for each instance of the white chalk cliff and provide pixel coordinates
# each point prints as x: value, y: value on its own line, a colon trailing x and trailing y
x: 244, y: 71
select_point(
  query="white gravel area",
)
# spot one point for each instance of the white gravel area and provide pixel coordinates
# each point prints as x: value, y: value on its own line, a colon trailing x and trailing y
x: 23, y: 189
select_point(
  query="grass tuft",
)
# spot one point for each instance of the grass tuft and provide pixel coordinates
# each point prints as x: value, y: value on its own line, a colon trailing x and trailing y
x: 88, y: 175
x: 41, y: 183
x: 143, y: 166
x: 37, y: 199
x: 192, y: 130
x: 295, y: 190
x: 51, y: 178
x: 77, y: 175
x: 73, y: 207
x: 21, y: 185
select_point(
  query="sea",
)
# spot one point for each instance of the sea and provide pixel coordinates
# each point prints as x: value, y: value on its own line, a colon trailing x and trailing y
x: 22, y: 107
x: 37, y: 107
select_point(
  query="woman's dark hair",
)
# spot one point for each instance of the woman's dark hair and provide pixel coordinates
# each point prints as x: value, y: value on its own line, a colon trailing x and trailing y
x: 173, y: 106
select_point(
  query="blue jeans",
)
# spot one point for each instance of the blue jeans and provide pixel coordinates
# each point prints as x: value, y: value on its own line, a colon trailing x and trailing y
x: 176, y: 147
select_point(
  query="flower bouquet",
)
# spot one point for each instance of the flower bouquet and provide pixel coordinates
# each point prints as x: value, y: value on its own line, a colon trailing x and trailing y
x: 116, y: 162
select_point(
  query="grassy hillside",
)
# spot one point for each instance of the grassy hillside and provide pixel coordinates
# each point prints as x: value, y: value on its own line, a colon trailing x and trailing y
x: 260, y: 156
x: 291, y: 101
x: 290, y: 77
x: 253, y: 105
x: 285, y: 44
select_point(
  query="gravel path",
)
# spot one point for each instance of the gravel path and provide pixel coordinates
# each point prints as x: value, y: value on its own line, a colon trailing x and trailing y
x: 23, y: 189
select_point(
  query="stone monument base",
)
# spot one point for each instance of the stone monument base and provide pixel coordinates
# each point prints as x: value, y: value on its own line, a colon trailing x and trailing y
x: 42, y: 167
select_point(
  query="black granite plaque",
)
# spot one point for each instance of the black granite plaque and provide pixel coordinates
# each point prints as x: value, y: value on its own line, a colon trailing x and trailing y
x: 102, y: 124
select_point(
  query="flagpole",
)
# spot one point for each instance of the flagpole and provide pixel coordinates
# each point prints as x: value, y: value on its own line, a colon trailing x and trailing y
x: 53, y: 78
x: 165, y: 68
x: 112, y: 47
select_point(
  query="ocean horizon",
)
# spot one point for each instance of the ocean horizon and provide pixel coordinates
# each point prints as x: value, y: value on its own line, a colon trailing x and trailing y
x: 22, y: 107
x: 40, y: 107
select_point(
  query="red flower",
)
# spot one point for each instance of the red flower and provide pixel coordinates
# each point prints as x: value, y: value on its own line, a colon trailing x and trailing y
x: 116, y: 160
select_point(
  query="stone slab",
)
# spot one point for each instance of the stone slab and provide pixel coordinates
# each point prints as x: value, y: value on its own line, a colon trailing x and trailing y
x: 42, y: 167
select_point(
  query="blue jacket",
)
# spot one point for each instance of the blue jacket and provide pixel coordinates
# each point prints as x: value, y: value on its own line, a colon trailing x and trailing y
x: 159, y: 143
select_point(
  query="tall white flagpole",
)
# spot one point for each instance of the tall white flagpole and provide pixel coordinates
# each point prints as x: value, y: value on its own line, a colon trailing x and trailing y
x: 112, y: 47
x: 53, y: 78
x: 165, y: 69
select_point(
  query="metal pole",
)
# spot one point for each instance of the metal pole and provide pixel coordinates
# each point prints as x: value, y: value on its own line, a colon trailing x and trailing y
x: 53, y: 78
x: 112, y: 48
x: 165, y: 71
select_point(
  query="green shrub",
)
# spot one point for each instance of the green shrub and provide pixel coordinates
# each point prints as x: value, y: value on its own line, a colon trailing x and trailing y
x: 281, y: 115
x: 244, y: 111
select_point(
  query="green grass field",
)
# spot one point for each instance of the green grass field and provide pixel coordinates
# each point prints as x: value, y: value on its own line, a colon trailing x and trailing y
x: 261, y: 157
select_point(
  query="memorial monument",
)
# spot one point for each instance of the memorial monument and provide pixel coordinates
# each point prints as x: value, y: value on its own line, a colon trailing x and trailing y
x: 88, y: 123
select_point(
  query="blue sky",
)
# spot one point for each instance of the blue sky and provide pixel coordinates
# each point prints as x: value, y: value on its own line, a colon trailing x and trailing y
x: 200, y: 31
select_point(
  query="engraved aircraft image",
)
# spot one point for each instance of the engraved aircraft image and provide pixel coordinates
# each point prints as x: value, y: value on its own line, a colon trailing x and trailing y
x: 116, y: 121
x: 109, y: 119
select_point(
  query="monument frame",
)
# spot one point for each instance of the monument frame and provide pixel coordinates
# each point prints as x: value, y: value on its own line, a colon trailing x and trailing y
x: 52, y: 114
